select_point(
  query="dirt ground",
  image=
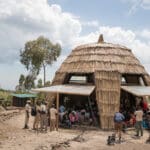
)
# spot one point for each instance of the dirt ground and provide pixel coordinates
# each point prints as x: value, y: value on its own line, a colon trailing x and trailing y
x: 13, y: 137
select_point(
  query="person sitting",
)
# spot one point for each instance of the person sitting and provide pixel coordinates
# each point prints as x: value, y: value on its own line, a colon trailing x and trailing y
x: 66, y: 120
x: 72, y: 117
x: 87, y: 115
x: 132, y: 120
x: 83, y: 111
x: 77, y: 116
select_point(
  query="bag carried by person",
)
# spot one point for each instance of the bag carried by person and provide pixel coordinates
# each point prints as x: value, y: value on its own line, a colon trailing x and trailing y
x: 33, y: 111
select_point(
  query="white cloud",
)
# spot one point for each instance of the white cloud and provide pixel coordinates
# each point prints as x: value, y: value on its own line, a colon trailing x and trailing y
x: 93, y: 23
x: 22, y: 20
x: 145, y: 34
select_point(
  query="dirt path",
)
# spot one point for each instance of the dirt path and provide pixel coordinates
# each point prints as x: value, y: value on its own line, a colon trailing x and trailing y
x: 15, y: 138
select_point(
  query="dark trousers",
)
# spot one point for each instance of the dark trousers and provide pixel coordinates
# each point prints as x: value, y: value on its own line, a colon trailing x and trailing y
x: 139, y: 128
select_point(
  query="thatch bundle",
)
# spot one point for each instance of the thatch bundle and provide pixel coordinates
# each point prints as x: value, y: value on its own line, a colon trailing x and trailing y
x: 107, y: 96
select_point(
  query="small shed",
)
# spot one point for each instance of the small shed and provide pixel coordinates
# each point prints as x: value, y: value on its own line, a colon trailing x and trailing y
x: 19, y: 100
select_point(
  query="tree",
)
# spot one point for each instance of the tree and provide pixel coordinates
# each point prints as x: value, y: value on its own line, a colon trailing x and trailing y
x: 39, y: 53
x: 29, y: 82
x: 21, y: 87
x: 48, y: 83
x: 21, y: 79
x: 39, y: 85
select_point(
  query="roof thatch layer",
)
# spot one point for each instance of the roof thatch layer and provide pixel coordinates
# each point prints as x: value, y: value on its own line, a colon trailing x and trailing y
x: 99, y: 56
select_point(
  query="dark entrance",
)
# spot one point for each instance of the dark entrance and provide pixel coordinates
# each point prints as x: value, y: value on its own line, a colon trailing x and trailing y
x: 84, y: 107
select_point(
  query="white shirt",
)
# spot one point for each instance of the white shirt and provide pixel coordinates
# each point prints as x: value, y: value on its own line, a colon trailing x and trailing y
x: 27, y: 107
x: 43, y: 108
x: 53, y: 113
x: 139, y: 115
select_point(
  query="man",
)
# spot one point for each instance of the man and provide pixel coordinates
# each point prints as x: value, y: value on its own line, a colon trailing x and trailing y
x: 61, y: 112
x: 139, y: 117
x: 62, y: 108
x: 27, y: 112
x: 37, y: 116
x: 118, y: 120
x: 43, y: 116
x: 53, y: 118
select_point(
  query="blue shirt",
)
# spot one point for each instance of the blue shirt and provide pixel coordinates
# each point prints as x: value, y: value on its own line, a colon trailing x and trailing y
x: 61, y: 109
x: 119, y: 117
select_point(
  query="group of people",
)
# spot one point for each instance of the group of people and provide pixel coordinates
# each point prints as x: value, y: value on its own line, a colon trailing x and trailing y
x: 74, y: 116
x: 135, y: 118
x: 43, y: 115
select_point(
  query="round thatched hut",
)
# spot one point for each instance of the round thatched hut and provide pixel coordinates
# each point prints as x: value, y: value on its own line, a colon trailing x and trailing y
x: 100, y: 56
x: 111, y: 69
x: 106, y: 65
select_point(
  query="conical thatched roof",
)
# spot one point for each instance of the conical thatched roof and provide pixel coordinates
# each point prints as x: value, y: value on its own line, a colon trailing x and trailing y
x: 100, y: 56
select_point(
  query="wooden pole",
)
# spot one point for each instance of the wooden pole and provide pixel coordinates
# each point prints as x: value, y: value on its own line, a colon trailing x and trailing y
x: 57, y: 106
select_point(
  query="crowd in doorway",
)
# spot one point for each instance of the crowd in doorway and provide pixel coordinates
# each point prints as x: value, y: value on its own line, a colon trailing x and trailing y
x: 129, y: 112
x: 44, y: 116
x: 77, y: 111
x: 76, y: 116
x: 137, y: 117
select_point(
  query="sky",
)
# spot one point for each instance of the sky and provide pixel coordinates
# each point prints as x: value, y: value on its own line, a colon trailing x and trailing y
x: 70, y: 23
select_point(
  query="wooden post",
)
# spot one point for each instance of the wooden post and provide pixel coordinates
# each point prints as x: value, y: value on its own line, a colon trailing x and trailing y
x: 57, y: 106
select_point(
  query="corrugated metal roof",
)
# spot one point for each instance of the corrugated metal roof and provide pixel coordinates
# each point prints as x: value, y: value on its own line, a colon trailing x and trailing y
x: 67, y: 89
x: 137, y: 90
x: 24, y: 95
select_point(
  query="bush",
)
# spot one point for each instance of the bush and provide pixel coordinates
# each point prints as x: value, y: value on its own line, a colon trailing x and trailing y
x: 5, y: 98
x: 6, y: 103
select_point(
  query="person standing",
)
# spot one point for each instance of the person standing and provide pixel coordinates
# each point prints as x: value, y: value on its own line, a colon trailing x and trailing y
x: 43, y: 111
x: 118, y: 120
x: 27, y: 112
x: 62, y: 108
x: 139, y: 118
x: 53, y: 117
x: 37, y: 116
x: 61, y: 112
